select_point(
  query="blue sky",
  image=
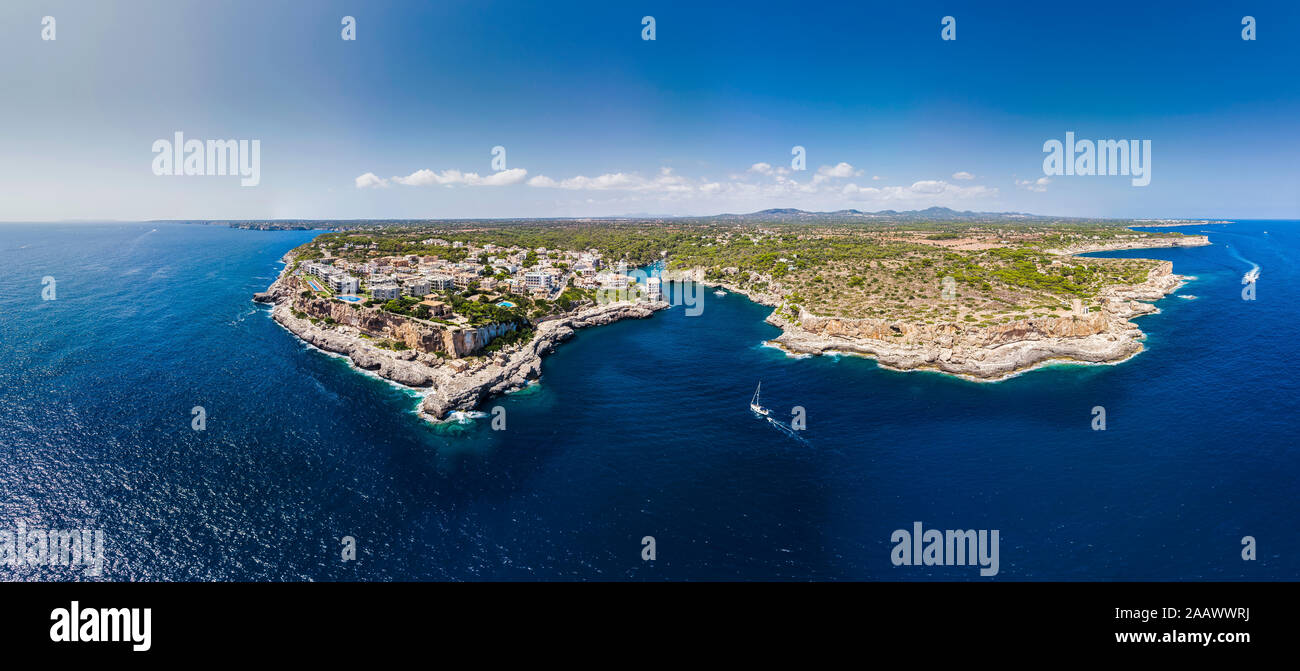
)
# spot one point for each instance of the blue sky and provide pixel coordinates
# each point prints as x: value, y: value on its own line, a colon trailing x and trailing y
x: 597, y: 121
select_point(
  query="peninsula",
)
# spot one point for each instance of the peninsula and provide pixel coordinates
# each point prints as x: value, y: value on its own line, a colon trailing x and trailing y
x: 464, y: 322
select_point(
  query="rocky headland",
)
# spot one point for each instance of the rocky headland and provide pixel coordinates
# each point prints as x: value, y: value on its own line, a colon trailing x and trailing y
x: 988, y: 353
x: 441, y: 361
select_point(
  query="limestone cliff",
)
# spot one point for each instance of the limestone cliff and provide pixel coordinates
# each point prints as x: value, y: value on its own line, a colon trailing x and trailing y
x: 436, y: 359
x: 1086, y: 246
x: 456, y: 388
x: 990, y: 352
x: 422, y: 336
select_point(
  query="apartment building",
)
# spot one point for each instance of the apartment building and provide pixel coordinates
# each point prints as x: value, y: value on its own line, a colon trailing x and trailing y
x: 385, y: 292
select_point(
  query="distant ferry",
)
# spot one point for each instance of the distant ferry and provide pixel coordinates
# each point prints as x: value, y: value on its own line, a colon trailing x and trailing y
x: 754, y: 405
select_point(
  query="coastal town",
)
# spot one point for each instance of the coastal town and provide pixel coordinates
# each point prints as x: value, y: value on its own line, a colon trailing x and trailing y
x: 356, y: 271
x: 464, y: 320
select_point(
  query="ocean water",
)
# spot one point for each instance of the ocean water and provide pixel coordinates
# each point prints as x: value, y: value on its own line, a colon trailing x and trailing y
x: 636, y: 429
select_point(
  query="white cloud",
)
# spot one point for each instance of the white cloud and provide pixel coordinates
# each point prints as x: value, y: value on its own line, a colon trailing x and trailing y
x: 369, y: 180
x: 504, y: 177
x: 924, y: 190
x: 962, y: 175
x: 768, y: 169
x: 929, y: 186
x: 779, y: 188
x: 1039, y: 185
x: 841, y: 169
x: 664, y: 182
x: 761, y: 185
x: 426, y: 177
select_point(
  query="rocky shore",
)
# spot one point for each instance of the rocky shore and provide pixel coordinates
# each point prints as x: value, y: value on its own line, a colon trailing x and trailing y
x: 449, y: 383
x: 442, y: 363
x: 989, y: 353
x: 1086, y: 247
x: 512, y: 370
x: 994, y: 352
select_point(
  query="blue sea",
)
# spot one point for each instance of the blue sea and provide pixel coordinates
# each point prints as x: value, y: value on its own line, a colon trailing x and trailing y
x: 636, y: 429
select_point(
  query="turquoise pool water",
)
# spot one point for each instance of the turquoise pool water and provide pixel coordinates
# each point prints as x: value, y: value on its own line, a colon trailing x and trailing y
x: 350, y: 299
x: 505, y: 304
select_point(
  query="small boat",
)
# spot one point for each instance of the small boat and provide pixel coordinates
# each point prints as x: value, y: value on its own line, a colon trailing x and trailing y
x: 1251, y: 276
x: 719, y: 292
x: 754, y: 405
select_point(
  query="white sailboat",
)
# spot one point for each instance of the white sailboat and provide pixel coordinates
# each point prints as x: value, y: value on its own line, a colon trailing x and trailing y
x: 754, y: 405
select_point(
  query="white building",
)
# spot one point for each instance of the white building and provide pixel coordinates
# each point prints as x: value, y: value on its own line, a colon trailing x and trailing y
x: 417, y: 287
x: 342, y: 283
x: 654, y: 288
x: 385, y: 292
x: 317, y: 269
x: 615, y: 281
x: 441, y: 283
x: 538, y: 280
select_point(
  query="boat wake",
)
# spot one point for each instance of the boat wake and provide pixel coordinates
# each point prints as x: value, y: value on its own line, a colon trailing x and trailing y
x: 788, y: 431
x: 1252, y: 274
x: 760, y: 412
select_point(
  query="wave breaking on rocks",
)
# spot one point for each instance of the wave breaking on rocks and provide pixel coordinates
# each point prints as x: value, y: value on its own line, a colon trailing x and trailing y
x: 448, y: 384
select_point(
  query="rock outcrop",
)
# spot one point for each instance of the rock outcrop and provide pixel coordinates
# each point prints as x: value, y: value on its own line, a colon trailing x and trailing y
x: 420, y: 335
x: 436, y: 359
x: 990, y: 352
x: 510, y: 371
x: 1087, y: 246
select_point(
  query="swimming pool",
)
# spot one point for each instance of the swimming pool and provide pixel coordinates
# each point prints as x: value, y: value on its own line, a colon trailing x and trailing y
x: 350, y: 299
x: 505, y: 304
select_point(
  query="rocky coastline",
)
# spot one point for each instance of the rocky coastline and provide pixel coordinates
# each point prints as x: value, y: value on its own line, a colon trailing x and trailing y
x: 1132, y: 243
x: 990, y: 353
x: 452, y: 379
x: 449, y: 381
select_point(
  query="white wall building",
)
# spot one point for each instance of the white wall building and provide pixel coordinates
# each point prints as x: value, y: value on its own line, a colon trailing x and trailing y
x: 616, y: 281
x: 342, y: 283
x: 385, y: 292
x: 538, y: 280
